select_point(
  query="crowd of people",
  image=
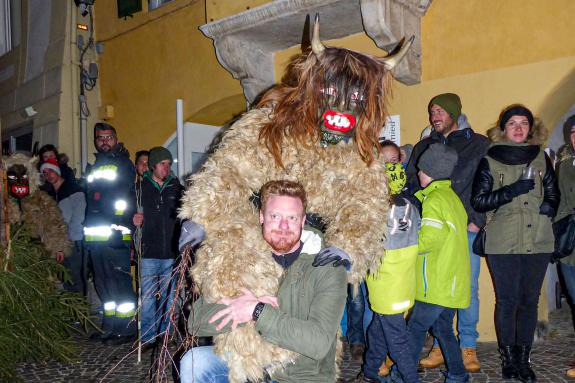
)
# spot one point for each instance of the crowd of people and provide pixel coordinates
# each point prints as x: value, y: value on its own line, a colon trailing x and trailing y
x: 454, y: 187
x: 119, y: 211
x: 299, y: 209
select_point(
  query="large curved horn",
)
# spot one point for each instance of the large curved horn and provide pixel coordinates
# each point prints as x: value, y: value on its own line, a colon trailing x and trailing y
x: 391, y: 61
x: 316, y: 46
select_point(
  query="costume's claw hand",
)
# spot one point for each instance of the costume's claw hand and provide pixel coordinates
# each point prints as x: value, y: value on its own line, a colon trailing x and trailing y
x: 191, y: 235
x: 333, y: 255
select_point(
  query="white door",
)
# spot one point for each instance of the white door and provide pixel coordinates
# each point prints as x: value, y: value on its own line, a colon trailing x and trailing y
x: 197, y: 140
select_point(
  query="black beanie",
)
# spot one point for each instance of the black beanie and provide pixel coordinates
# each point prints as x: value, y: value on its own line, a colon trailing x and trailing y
x: 515, y: 110
x: 438, y: 161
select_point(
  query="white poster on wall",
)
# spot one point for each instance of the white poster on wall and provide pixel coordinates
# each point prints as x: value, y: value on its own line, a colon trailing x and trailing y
x: 391, y: 130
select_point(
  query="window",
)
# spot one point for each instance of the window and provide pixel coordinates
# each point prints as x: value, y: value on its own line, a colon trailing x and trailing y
x: 10, y: 25
x: 153, y: 4
x: 18, y: 139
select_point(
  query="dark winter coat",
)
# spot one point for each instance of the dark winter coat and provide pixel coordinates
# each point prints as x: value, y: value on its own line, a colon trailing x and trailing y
x: 517, y: 227
x: 161, y: 227
x: 471, y: 148
x: 110, y: 180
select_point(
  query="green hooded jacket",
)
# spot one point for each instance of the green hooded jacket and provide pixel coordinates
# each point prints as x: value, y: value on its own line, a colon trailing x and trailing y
x: 443, y: 266
x: 311, y: 302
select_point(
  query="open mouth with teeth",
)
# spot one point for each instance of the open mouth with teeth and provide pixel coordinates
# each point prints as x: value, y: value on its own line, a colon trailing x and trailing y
x: 20, y: 191
x: 339, y: 122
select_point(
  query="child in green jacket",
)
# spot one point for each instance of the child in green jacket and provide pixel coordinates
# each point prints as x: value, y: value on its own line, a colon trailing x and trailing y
x: 392, y: 288
x: 443, y: 265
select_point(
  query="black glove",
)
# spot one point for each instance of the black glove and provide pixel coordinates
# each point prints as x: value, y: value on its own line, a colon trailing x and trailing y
x: 547, y: 209
x: 520, y: 187
x: 332, y: 254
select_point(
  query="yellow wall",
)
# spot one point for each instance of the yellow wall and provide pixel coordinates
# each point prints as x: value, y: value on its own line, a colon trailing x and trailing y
x: 218, y: 9
x: 153, y: 59
x: 492, y: 53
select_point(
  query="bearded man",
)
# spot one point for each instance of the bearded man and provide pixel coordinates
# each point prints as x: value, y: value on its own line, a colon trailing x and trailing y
x: 320, y: 128
x: 304, y: 315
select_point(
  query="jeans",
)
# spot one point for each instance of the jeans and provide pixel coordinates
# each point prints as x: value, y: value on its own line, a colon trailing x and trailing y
x: 359, y: 315
x: 113, y: 282
x: 158, y: 286
x: 440, y: 320
x: 568, y: 273
x: 517, y: 279
x: 468, y: 318
x: 388, y: 333
x: 77, y: 270
x: 202, y: 365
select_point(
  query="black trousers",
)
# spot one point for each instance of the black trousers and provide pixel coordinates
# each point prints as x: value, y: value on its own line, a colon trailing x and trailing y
x: 517, y: 279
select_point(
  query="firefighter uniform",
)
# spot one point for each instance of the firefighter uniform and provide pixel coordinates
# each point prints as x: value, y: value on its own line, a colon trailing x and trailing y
x: 107, y: 234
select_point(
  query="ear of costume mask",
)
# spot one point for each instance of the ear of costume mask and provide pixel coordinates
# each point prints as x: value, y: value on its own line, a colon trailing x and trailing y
x: 18, y: 184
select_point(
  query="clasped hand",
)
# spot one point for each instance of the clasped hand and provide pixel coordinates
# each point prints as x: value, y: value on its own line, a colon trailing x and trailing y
x: 240, y: 309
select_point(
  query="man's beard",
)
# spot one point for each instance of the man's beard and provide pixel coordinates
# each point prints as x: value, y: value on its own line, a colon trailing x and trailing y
x: 287, y: 241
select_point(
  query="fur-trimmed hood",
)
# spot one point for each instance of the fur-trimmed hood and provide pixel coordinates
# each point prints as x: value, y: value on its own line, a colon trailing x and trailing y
x: 537, y: 134
x: 565, y: 152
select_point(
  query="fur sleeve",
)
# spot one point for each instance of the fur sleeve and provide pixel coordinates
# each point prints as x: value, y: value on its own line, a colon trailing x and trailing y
x: 233, y: 254
x: 356, y: 212
x: 43, y: 217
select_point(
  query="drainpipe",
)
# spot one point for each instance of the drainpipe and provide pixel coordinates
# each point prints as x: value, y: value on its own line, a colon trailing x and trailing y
x: 180, y: 135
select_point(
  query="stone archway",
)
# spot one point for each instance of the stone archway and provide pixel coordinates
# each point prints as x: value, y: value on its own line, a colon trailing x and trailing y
x: 246, y: 42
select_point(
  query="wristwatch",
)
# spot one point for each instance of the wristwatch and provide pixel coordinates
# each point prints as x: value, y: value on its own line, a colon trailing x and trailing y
x: 257, y: 311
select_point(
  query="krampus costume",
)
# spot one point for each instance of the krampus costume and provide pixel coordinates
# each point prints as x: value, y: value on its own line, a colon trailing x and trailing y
x: 33, y: 207
x: 344, y: 93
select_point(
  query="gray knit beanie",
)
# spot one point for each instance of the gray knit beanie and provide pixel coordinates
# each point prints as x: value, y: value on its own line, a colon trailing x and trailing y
x: 438, y: 161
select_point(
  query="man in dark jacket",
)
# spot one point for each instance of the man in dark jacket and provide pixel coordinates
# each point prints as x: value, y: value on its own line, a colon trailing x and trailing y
x: 159, y: 195
x: 108, y: 233
x: 450, y: 128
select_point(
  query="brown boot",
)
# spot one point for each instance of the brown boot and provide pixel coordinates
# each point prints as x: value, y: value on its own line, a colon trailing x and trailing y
x: 570, y: 373
x: 433, y: 360
x: 384, y: 368
x: 470, y: 360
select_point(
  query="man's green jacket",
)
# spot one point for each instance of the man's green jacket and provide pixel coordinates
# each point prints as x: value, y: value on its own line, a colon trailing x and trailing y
x: 311, y: 302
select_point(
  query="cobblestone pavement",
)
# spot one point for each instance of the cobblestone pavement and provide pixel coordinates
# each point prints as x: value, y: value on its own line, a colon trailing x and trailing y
x: 98, y: 363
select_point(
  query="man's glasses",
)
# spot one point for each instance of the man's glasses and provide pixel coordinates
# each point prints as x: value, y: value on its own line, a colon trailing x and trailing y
x: 105, y: 138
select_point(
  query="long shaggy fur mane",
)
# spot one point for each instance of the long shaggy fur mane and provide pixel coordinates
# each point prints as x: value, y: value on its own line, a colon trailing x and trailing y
x: 298, y: 104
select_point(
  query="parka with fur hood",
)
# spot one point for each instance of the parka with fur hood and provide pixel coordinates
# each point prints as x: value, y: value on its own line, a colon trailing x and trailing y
x: 517, y: 227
